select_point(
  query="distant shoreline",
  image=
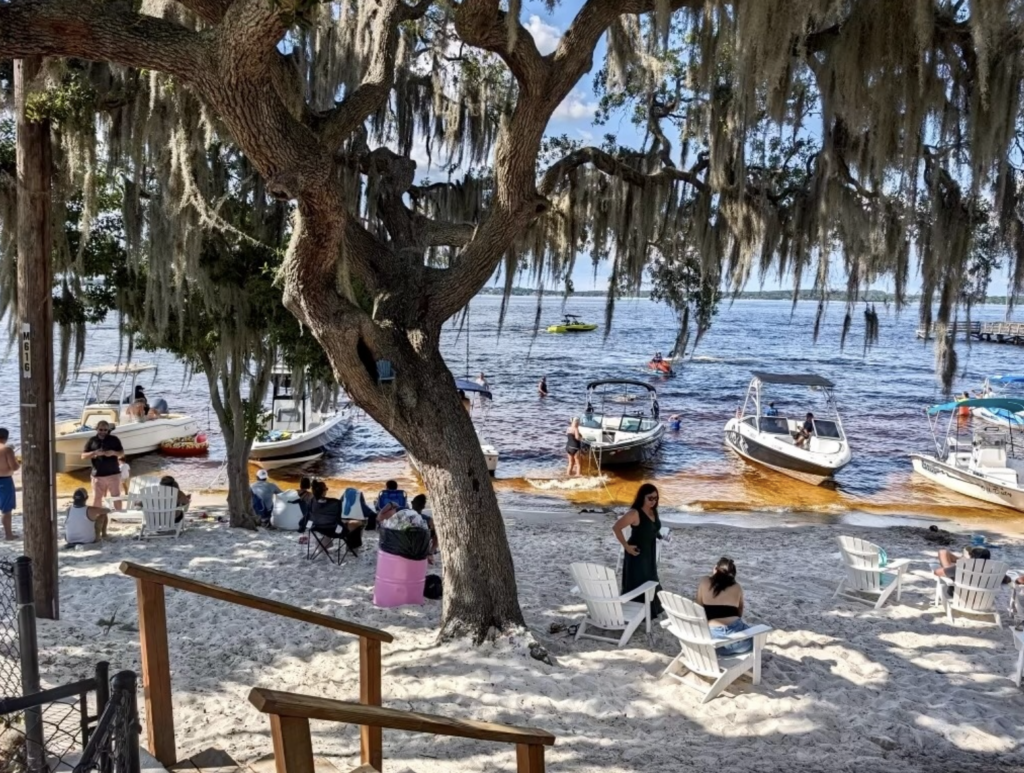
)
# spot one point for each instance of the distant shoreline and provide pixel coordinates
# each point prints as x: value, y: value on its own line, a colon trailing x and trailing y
x: 757, y: 295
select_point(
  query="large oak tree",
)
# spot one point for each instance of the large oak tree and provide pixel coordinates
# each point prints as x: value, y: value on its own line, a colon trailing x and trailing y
x: 893, y: 108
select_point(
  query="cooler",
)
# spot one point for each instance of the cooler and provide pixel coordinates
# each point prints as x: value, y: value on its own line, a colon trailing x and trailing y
x: 399, y: 581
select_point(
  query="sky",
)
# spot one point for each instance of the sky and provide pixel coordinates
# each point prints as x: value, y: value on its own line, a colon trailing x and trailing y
x: 575, y: 119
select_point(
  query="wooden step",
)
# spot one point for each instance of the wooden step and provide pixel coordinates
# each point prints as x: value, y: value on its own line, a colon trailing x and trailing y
x: 266, y: 764
x: 207, y: 761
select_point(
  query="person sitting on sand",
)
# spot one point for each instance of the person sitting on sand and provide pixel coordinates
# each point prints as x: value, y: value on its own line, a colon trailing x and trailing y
x: 542, y: 387
x: 84, y: 525
x: 722, y: 599
x: 640, y: 563
x: 573, y: 444
x: 324, y: 512
x: 184, y: 500
x: 419, y: 504
x: 305, y: 496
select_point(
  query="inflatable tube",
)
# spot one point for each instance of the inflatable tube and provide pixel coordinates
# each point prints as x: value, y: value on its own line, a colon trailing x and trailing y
x: 186, y: 446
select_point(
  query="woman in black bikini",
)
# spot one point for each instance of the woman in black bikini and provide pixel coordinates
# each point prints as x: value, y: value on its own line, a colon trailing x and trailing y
x: 573, y: 444
x: 722, y: 599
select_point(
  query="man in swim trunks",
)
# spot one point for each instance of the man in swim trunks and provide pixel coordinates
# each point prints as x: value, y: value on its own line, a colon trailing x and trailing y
x: 8, y: 466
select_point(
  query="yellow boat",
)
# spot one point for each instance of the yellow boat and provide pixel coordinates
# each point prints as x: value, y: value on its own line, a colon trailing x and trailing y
x: 571, y: 324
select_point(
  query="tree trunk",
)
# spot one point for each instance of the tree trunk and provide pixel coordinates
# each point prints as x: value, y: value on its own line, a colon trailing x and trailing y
x: 239, y: 494
x: 35, y: 313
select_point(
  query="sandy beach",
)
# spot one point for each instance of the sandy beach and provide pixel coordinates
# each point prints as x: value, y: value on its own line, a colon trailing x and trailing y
x: 844, y: 687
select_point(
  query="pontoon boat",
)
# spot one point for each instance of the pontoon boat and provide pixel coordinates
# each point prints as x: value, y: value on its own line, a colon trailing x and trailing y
x: 298, y: 432
x: 109, y: 394
x: 614, y: 435
x: 767, y: 437
x: 990, y: 465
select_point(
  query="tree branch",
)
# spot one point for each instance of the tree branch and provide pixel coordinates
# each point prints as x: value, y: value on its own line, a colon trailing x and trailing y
x: 98, y: 30
x: 372, y: 93
x: 615, y: 167
x: 481, y: 23
x: 210, y: 11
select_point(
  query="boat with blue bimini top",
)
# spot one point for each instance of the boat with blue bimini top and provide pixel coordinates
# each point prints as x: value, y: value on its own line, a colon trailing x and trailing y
x: 1008, y: 386
x: 808, y: 447
x: 614, y: 435
x: 979, y: 459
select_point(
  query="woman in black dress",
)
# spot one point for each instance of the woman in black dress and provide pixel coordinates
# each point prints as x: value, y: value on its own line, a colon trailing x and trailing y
x: 640, y: 564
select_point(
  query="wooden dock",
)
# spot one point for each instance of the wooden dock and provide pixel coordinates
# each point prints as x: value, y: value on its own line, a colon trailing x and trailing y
x: 998, y: 332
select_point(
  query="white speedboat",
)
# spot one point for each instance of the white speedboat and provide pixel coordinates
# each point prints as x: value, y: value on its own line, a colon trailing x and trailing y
x: 298, y: 433
x: 615, y: 436
x: 989, y: 465
x: 109, y: 394
x: 1011, y: 387
x: 764, y: 435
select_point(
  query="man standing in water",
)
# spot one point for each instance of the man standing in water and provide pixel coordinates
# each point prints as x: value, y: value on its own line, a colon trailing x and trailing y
x: 8, y: 499
x: 104, y: 450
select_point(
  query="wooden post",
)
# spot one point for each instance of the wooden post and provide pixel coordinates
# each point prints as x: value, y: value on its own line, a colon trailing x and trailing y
x: 35, y: 344
x: 156, y: 671
x: 293, y: 748
x: 529, y: 758
x: 370, y: 695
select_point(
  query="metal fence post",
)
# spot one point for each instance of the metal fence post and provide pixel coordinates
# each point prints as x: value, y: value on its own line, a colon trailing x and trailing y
x: 127, y: 682
x: 35, y: 753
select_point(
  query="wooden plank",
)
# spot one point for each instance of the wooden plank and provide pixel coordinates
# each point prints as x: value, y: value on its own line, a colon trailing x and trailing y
x: 371, y: 737
x: 529, y: 758
x: 266, y: 764
x: 309, y: 707
x: 156, y: 671
x: 293, y: 747
x: 249, y: 601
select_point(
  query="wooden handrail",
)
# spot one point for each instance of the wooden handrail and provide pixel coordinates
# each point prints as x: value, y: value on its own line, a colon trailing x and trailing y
x: 147, y: 574
x: 156, y: 663
x: 285, y: 704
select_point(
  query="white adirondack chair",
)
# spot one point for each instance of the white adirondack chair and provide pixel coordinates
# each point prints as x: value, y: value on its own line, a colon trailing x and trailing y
x: 159, y: 510
x: 698, y: 652
x: 607, y: 609
x: 132, y: 500
x: 975, y: 587
x: 1018, y: 642
x: 866, y: 579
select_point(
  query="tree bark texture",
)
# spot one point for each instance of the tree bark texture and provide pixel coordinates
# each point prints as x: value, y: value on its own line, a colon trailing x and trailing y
x: 35, y: 315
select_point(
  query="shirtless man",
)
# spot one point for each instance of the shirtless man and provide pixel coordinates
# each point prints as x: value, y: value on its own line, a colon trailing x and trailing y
x: 8, y: 466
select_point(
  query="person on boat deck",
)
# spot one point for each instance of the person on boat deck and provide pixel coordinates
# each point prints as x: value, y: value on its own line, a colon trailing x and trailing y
x: 640, y: 564
x: 264, y: 490
x: 722, y: 599
x: 542, y: 387
x: 948, y: 559
x: 985, y: 391
x: 806, y: 431
x: 573, y: 444
x: 657, y: 357
x: 771, y: 410
x: 103, y: 450
x: 184, y: 500
x: 481, y: 381
x: 84, y: 525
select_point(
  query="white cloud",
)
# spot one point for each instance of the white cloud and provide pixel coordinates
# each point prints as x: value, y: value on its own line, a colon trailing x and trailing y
x: 545, y: 35
x: 576, y: 106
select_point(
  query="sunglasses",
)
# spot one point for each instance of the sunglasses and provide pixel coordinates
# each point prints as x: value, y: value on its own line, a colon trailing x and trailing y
x: 652, y: 498
x: 103, y: 430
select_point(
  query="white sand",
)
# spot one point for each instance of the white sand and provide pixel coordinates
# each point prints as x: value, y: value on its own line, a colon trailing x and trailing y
x: 844, y: 688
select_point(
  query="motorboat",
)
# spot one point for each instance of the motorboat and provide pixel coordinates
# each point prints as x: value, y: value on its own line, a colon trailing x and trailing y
x: 621, y: 429
x: 299, y: 433
x: 988, y: 464
x: 571, y: 324
x: 1009, y: 386
x: 761, y: 434
x: 468, y: 387
x: 109, y: 394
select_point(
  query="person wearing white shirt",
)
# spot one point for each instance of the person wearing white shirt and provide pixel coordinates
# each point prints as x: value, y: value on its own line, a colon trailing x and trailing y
x: 84, y: 524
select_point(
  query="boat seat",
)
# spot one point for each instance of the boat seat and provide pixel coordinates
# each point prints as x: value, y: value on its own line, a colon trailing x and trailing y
x: 93, y: 416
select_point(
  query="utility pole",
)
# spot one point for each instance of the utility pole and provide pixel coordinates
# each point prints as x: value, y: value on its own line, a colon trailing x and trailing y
x: 35, y: 346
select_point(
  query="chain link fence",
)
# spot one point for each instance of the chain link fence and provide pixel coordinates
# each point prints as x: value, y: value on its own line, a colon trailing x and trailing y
x: 42, y: 731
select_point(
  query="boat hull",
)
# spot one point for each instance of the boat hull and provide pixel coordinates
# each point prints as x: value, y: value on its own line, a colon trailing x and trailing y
x: 752, y: 449
x: 967, y: 483
x: 571, y: 328
x: 301, y: 448
x: 628, y: 452
x: 139, y: 438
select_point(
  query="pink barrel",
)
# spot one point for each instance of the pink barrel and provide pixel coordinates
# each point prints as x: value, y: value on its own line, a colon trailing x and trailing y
x: 399, y: 581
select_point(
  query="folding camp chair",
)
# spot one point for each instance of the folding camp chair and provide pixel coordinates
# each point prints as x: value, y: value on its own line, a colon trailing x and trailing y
x: 329, y: 545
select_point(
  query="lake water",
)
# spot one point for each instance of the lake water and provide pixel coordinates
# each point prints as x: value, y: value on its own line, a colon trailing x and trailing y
x: 881, y: 395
